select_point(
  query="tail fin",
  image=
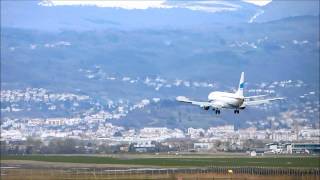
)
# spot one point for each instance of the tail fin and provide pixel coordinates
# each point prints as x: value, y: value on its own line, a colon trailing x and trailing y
x: 241, y: 85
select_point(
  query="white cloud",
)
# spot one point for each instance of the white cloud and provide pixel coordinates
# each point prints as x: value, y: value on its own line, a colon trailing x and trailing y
x: 244, y: 44
x: 255, y: 16
x: 258, y: 2
x: 296, y: 42
x: 110, y: 4
x: 60, y: 43
x: 33, y: 46
x: 156, y: 100
x: 207, y: 6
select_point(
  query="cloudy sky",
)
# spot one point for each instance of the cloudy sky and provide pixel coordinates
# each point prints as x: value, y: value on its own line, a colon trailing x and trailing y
x: 209, y: 6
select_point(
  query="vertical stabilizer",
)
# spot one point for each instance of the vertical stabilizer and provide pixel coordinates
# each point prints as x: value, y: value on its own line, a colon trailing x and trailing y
x: 241, y: 86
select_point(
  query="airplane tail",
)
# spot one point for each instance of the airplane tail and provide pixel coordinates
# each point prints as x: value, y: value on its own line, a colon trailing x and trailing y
x: 241, y: 86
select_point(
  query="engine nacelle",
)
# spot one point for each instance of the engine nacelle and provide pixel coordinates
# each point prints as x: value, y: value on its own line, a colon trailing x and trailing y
x: 206, y: 108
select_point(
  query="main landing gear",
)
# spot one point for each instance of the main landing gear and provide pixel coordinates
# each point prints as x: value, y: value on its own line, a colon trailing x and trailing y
x: 217, y: 111
x: 236, y: 111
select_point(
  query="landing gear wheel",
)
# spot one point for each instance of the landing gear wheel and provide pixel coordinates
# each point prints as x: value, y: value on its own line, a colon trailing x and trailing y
x: 217, y: 111
x: 236, y: 111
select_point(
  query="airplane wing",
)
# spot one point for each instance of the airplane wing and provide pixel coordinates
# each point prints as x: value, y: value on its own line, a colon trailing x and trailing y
x: 254, y: 97
x: 258, y: 102
x: 187, y: 100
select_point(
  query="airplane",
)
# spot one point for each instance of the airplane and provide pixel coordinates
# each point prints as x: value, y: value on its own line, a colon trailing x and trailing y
x: 218, y: 100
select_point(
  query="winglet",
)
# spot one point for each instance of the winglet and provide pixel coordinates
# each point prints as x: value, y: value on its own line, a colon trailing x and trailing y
x: 182, y: 98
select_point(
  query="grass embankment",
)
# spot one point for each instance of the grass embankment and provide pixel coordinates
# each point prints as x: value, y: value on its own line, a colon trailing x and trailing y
x: 174, y: 162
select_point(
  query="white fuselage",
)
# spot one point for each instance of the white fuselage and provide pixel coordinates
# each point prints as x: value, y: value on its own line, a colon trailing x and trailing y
x: 226, y: 100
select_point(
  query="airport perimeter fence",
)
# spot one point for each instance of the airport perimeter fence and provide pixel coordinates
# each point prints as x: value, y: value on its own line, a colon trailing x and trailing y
x: 154, y: 173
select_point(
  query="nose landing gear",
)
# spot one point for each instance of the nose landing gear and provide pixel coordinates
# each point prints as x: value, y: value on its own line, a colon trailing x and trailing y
x: 217, y: 111
x: 236, y: 111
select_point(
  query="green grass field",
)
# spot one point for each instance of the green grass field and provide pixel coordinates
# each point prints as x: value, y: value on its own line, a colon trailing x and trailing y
x: 179, y: 162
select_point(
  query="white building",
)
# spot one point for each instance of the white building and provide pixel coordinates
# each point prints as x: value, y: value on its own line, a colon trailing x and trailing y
x: 202, y: 146
x: 56, y: 121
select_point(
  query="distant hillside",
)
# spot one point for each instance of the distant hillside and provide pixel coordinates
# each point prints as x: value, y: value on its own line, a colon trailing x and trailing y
x: 279, y: 9
x: 263, y: 51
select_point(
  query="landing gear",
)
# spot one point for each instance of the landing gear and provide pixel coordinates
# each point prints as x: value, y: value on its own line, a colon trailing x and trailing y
x: 236, y: 111
x: 217, y: 111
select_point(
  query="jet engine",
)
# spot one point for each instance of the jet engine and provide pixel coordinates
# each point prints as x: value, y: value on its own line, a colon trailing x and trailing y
x: 206, y: 108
